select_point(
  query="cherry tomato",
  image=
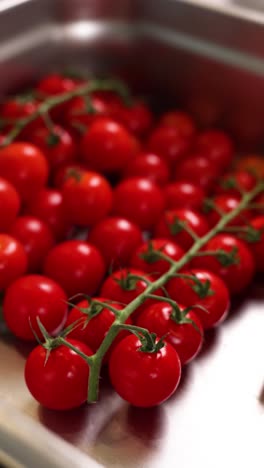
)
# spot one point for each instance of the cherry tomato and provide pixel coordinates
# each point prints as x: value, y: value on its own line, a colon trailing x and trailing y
x: 58, y: 146
x: 180, y: 120
x: 150, y: 166
x: 30, y: 297
x: 184, y: 337
x: 36, y: 238
x: 217, y: 146
x: 213, y: 295
x: 25, y: 166
x: 134, y: 372
x: 233, y: 182
x: 137, y: 118
x: 77, y: 113
x: 169, y: 143
x: 87, y: 198
x: 13, y: 260
x: 61, y: 381
x: 252, y: 163
x: 226, y: 204
x: 77, y: 266
x: 63, y: 172
x: 143, y: 260
x: 94, y: 326
x: 199, y: 170
x: 257, y: 248
x: 9, y: 204
x: 108, y: 146
x: 19, y: 108
x: 139, y: 200
x: 116, y: 238
x: 121, y: 288
x: 184, y: 195
x: 236, y: 276
x: 54, y: 84
x: 47, y: 205
x: 171, y: 226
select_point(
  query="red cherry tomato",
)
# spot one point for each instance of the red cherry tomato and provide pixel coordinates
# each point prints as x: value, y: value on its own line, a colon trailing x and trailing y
x: 108, y: 146
x: 87, y: 198
x: 116, y: 238
x: 36, y: 238
x: 137, y: 118
x: 47, y: 205
x: 150, y: 166
x: 63, y: 172
x: 25, y: 166
x: 13, y: 260
x: 30, y: 297
x: 184, y: 337
x: 180, y: 120
x: 199, y: 170
x: 236, y: 276
x: 61, y: 381
x: 169, y: 143
x: 139, y: 200
x: 213, y: 295
x: 9, y: 204
x: 184, y: 195
x: 77, y: 113
x: 58, y: 146
x: 94, y: 326
x: 19, y: 108
x: 77, y: 266
x: 226, y: 204
x: 217, y: 146
x: 150, y: 264
x: 257, y: 248
x: 54, y: 84
x: 133, y: 372
x: 171, y: 226
x: 121, y: 288
x: 253, y: 163
x: 243, y: 180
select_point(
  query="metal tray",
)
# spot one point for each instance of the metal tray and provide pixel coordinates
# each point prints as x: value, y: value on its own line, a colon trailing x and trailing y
x: 209, y: 58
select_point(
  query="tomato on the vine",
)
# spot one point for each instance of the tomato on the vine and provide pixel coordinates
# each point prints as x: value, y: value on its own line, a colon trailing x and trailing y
x: 184, y: 195
x: 180, y: 120
x: 209, y: 291
x: 223, y: 204
x: 13, y: 260
x: 137, y: 118
x: 252, y: 163
x: 59, y: 382
x: 238, y: 272
x: 150, y: 166
x: 257, y: 248
x: 62, y: 173
x: 80, y: 113
x: 233, y: 183
x: 77, y: 266
x: 55, y: 83
x: 17, y: 108
x: 9, y: 204
x: 139, y: 200
x: 31, y: 297
x: 116, y: 238
x: 145, y: 259
x: 174, y: 225
x: 184, y: 334
x: 217, y: 146
x: 198, y: 169
x: 87, y: 197
x: 170, y: 143
x: 144, y: 379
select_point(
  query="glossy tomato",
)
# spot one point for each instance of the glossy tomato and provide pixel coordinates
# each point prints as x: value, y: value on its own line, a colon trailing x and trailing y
x: 239, y: 274
x: 78, y: 115
x: 77, y: 266
x: 233, y: 183
x: 145, y: 259
x: 63, y: 172
x: 257, y: 248
x: 210, y: 292
x: 169, y: 142
x: 139, y: 200
x: 36, y: 238
x: 17, y: 108
x: 13, y: 260
x: 217, y: 146
x: 185, y: 337
x: 150, y: 166
x: 55, y: 83
x: 116, y: 238
x: 137, y: 118
x: 180, y: 120
x: 134, y: 372
x: 224, y: 204
x: 172, y: 222
x: 9, y: 204
x: 61, y: 381
x: 184, y: 195
x: 199, y: 170
x: 87, y: 197
x: 25, y: 166
x: 30, y: 297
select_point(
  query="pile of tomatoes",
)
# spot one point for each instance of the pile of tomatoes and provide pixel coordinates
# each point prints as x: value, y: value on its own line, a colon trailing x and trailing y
x: 85, y: 199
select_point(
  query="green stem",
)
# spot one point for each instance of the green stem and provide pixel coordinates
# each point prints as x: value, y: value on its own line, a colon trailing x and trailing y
x: 88, y: 359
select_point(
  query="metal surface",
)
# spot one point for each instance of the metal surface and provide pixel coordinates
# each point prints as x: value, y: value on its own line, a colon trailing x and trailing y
x: 209, y: 58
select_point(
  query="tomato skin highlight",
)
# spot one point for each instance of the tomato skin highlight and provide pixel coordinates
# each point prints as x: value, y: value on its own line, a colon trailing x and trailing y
x: 9, y: 204
x: 183, y: 195
x: 13, y: 260
x: 144, y: 379
x: 217, y: 303
x: 77, y: 266
x: 148, y: 165
x: 184, y: 338
x: 61, y: 382
x: 33, y: 296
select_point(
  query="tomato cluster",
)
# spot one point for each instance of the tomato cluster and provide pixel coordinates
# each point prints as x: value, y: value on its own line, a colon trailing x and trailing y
x: 97, y: 201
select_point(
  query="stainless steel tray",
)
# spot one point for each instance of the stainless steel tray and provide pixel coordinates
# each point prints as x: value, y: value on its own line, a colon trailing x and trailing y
x: 210, y: 58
